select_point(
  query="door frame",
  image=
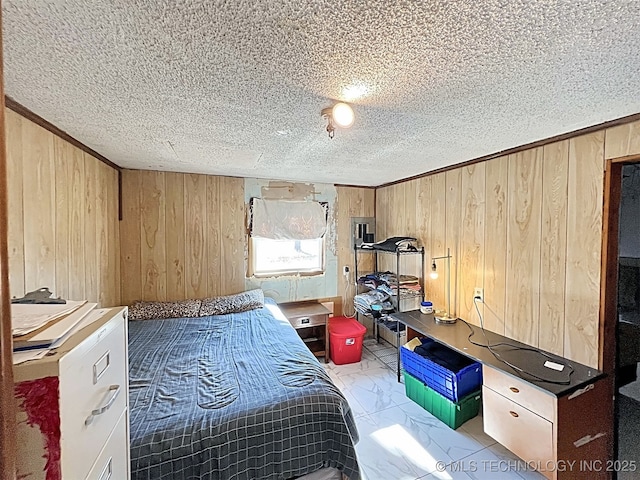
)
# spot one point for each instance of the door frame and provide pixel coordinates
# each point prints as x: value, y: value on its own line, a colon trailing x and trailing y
x: 7, y: 399
x: 608, y: 325
x: 609, y: 271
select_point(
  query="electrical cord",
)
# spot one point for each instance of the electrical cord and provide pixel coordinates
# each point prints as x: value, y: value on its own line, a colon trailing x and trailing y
x: 497, y: 355
x: 346, y: 295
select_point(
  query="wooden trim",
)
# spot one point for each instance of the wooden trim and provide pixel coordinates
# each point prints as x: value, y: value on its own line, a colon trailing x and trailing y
x: 119, y: 194
x: 538, y: 143
x: 7, y: 399
x: 375, y: 213
x: 609, y: 271
x: 353, y: 186
x: 608, y: 324
x: 626, y: 159
x: 37, y: 119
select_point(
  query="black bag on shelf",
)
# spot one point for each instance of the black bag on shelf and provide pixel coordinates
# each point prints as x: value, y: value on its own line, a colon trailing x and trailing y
x: 392, y: 244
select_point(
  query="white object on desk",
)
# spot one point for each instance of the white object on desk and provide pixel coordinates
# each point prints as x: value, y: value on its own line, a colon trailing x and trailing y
x: 554, y: 366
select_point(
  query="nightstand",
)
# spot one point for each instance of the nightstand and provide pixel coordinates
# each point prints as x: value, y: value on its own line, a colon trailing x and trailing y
x: 311, y: 320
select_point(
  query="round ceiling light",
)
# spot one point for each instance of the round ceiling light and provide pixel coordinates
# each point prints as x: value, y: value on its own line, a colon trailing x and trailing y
x: 342, y: 115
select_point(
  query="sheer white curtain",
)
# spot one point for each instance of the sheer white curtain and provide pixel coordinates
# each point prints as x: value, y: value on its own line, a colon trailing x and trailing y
x: 288, y: 219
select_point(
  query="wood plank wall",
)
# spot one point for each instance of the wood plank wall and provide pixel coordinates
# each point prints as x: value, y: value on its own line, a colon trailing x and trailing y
x: 352, y: 202
x: 527, y: 228
x: 63, y: 217
x: 183, y: 235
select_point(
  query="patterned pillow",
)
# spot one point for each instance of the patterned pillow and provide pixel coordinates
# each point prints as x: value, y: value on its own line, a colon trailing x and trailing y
x: 240, y: 302
x: 158, y: 310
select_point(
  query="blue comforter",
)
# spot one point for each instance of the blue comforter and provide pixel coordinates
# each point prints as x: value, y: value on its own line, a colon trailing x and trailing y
x: 233, y: 397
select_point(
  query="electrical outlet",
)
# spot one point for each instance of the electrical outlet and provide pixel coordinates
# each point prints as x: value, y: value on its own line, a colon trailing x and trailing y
x: 479, y: 294
x: 345, y: 270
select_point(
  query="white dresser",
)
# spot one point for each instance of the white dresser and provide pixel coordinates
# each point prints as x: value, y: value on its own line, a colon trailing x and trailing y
x: 73, y: 419
x: 564, y: 437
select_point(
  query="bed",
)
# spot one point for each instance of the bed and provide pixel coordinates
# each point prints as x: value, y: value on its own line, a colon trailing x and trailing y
x: 235, y: 396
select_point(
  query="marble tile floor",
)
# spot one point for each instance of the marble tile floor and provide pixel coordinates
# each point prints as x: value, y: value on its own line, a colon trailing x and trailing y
x: 399, y: 440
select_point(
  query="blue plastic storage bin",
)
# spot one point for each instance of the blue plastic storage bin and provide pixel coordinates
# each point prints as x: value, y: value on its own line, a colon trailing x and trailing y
x: 454, y: 385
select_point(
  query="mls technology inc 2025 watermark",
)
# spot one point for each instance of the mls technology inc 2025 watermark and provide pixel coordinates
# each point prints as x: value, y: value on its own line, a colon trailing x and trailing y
x: 540, y: 466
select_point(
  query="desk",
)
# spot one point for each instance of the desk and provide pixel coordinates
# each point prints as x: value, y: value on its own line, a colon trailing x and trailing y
x: 456, y: 337
x: 549, y: 424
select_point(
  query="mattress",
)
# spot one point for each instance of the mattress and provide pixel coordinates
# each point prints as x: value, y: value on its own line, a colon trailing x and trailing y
x: 233, y: 397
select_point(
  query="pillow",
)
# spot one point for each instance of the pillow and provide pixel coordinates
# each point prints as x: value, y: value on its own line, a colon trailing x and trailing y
x: 153, y: 310
x: 240, y: 302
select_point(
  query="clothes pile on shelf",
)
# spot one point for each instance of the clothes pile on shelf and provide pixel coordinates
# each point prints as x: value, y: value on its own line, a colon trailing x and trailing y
x: 386, y: 282
x: 364, y: 302
x: 371, y: 280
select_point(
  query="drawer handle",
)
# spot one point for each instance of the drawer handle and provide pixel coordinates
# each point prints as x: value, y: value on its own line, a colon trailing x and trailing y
x: 513, y: 414
x: 115, y: 390
x: 101, y: 366
x: 588, y: 438
x: 305, y: 320
x: 514, y: 389
x: 107, y: 470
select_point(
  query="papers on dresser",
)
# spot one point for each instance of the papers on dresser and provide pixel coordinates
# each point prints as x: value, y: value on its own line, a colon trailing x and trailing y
x: 53, y: 331
x: 91, y: 317
x: 34, y: 352
x: 26, y: 355
x: 27, y: 318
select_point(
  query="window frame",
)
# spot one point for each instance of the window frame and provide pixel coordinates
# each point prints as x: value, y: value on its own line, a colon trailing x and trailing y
x: 251, y: 260
x: 285, y: 272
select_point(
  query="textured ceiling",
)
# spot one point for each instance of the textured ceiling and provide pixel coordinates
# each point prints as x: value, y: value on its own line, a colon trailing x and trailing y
x: 236, y: 87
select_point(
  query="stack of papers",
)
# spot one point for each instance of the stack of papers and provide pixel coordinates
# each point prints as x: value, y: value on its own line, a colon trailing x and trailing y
x: 26, y: 318
x: 53, y: 332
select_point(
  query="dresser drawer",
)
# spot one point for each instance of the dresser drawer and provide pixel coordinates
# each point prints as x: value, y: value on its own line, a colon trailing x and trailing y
x: 113, y: 460
x: 523, y: 432
x: 93, y: 396
x: 308, y: 321
x: 520, y: 392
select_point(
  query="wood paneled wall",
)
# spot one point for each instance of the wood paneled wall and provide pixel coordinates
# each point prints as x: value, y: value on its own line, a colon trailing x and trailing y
x: 183, y: 236
x: 527, y: 228
x: 352, y: 202
x: 63, y: 217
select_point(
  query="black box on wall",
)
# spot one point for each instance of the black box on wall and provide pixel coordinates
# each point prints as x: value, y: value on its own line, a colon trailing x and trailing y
x: 363, y: 230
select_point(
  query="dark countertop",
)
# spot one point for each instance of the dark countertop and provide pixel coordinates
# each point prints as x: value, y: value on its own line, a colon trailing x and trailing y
x: 456, y: 336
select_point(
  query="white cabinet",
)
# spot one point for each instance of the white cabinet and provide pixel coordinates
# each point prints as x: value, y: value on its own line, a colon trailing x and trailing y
x: 73, y: 419
x: 564, y: 437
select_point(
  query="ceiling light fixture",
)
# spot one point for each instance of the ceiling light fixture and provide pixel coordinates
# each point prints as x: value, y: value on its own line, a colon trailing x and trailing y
x: 340, y: 114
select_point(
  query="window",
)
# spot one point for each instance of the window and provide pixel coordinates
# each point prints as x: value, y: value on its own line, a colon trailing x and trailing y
x: 278, y: 257
x: 287, y: 237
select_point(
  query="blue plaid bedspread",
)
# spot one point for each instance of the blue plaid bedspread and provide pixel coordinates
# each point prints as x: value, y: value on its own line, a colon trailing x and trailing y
x: 233, y: 397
